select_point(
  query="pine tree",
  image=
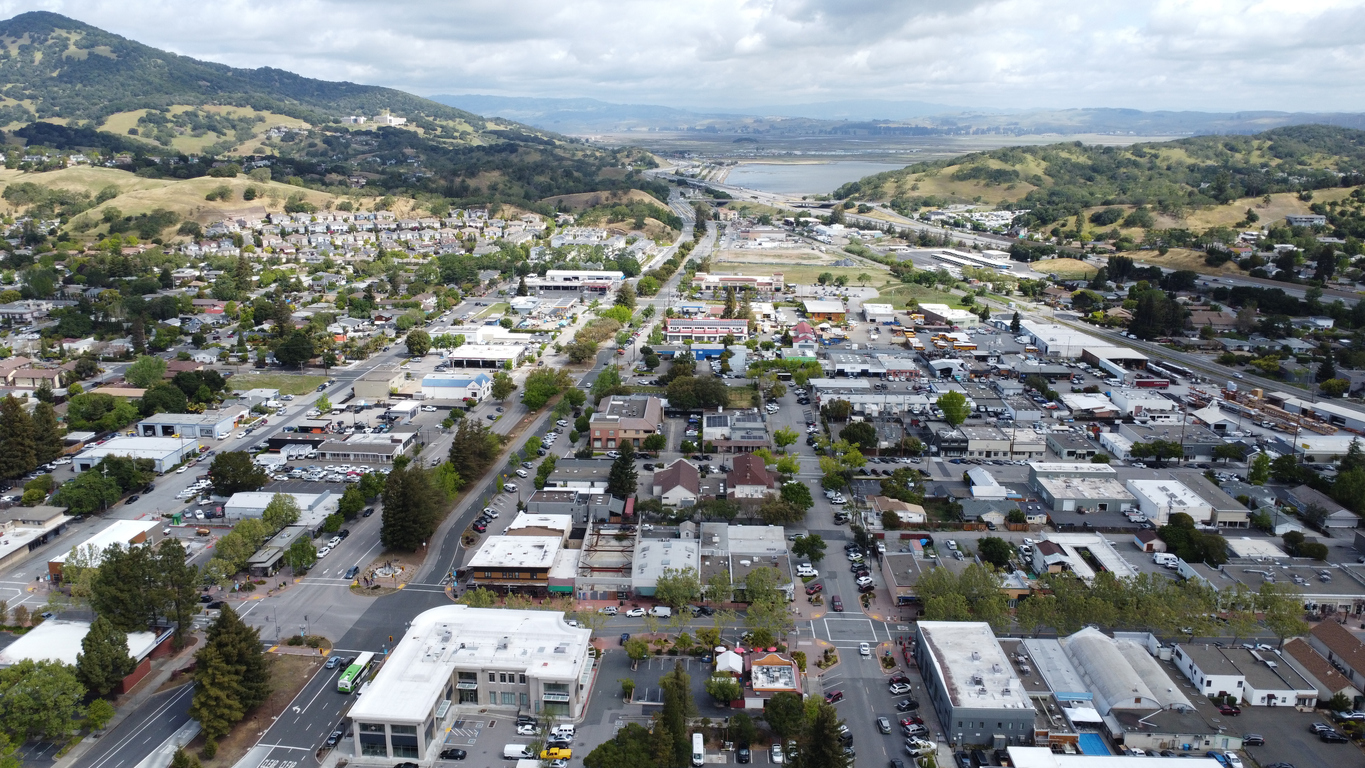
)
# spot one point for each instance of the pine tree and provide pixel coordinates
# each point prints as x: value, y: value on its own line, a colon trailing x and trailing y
x: 821, y: 747
x: 1328, y: 368
x: 47, y: 433
x: 623, y: 480
x: 124, y: 588
x: 17, y: 455
x: 1014, y: 323
x: 103, y: 661
x: 412, y: 508
x: 240, y: 646
x: 177, y: 590
x: 217, y: 703
x: 138, y: 335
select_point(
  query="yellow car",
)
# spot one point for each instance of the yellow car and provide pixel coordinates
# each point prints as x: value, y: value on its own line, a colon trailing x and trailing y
x: 556, y: 753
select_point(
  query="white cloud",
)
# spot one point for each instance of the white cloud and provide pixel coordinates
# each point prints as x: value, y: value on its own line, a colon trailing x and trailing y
x: 1171, y: 54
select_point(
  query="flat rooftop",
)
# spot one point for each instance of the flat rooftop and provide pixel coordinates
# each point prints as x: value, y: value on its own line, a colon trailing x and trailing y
x: 1210, y: 659
x: 1085, y: 488
x: 516, y: 551
x: 118, y: 532
x: 60, y: 640
x: 972, y: 665
x: 540, y: 521
x: 1171, y: 494
x: 1074, y: 469
x: 441, y: 640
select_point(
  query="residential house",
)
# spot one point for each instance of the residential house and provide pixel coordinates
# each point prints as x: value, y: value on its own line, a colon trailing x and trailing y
x: 625, y: 418
x: 681, y: 484
x: 1341, y: 648
x: 749, y: 478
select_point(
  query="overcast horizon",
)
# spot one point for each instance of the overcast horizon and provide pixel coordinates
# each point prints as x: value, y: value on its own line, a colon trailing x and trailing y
x: 1214, y: 55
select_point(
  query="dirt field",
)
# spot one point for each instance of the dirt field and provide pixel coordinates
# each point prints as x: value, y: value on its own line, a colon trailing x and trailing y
x: 799, y: 267
x: 1064, y: 267
x: 287, y: 384
x: 900, y: 295
x: 585, y: 200
x: 1182, y: 258
x: 288, y: 673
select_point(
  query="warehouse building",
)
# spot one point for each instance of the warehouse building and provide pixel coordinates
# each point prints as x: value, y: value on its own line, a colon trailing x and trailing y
x: 1159, y: 499
x: 486, y: 355
x: 165, y: 453
x: 214, y: 424
x: 24, y: 529
x: 59, y: 640
x: 121, y: 533
x: 456, y: 386
x: 972, y: 685
x: 1072, y: 487
x: 455, y: 661
x: 249, y: 504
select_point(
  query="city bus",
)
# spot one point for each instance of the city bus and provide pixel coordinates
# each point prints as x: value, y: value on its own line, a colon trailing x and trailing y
x: 355, y: 674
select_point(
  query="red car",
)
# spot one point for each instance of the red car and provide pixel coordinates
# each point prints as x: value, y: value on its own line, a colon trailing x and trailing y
x: 814, y: 588
x: 911, y: 721
x: 836, y: 604
x: 1229, y: 710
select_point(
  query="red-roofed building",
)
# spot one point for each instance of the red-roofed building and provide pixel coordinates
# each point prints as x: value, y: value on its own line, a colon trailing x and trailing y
x: 803, y: 331
x: 749, y: 479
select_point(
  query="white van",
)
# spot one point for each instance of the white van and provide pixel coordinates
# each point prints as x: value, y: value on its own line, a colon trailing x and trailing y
x: 661, y: 611
x: 698, y: 750
x: 517, y: 752
x: 1165, y: 559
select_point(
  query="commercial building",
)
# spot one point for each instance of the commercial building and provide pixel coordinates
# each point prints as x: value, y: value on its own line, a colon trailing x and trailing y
x: 268, y: 560
x: 1141, y: 402
x: 882, y: 314
x: 59, y: 640
x: 1319, y: 671
x: 1302, y: 498
x: 486, y: 355
x: 164, y: 452
x: 764, y: 285
x: 580, y: 475
x: 1078, y: 553
x: 678, y: 330
x: 1212, y: 672
x: 735, y: 431
x: 1159, y: 499
x: 1343, y: 650
x: 972, y: 685
x: 823, y: 311
x: 580, y: 505
x: 525, y: 559
x: 1198, y: 441
x: 1071, y: 446
x: 1075, y: 487
x: 653, y: 556
x: 378, y: 384
x: 456, y: 661
x: 942, y: 314
x: 457, y: 386
x: 215, y: 424
x: 598, y: 281
x: 1053, y: 340
x: 737, y: 550
x: 372, y: 448
x: 24, y: 529
x: 251, y: 504
x: 625, y: 419
x: 120, y: 533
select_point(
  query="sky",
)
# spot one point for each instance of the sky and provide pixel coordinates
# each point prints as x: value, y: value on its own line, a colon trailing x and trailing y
x: 1205, y: 55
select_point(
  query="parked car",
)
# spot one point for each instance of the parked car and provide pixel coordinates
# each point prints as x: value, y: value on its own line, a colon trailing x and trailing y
x: 453, y: 754
x: 906, y: 705
x: 834, y: 696
x: 1253, y: 740
x: 1229, y: 710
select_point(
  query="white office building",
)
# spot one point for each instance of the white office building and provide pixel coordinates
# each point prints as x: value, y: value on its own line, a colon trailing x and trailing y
x: 458, y: 661
x: 1159, y: 499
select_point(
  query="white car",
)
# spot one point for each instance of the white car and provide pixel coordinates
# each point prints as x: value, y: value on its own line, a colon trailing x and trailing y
x: 635, y: 613
x: 428, y: 409
x: 521, y: 473
x: 181, y: 470
x: 323, y: 552
x: 864, y: 649
x: 561, y: 423
x: 241, y: 435
x: 335, y: 541
x: 526, y: 730
x: 610, y: 611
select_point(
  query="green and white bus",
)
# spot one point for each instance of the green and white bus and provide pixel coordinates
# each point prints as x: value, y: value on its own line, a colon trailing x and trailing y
x: 355, y: 674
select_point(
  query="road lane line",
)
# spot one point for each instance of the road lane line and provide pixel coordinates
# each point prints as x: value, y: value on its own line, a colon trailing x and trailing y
x: 151, y: 719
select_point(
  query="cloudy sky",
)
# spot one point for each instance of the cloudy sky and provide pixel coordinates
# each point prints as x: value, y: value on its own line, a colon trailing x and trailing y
x: 1224, y: 55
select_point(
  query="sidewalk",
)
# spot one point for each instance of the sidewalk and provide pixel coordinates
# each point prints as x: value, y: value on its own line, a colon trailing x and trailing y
x: 130, y: 703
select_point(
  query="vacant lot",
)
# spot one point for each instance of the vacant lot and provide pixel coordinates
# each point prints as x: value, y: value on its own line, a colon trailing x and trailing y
x: 288, y: 674
x: 900, y: 296
x: 1064, y: 267
x: 286, y: 383
x: 1183, y: 258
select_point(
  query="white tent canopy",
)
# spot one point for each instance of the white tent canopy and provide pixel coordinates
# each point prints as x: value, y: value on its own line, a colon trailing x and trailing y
x: 730, y: 662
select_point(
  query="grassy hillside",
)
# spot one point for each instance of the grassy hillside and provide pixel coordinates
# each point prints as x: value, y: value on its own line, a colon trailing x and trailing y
x: 1172, y: 180
x: 57, y: 67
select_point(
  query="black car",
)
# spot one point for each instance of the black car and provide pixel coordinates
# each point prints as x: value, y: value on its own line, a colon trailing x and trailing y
x: 351, y: 572
x: 206, y: 598
x: 132, y: 499
x: 368, y: 511
x: 215, y: 605
x: 906, y: 705
x: 1332, y: 737
x: 344, y: 532
x: 742, y: 755
x: 526, y: 720
x: 1253, y: 740
x: 962, y: 759
x: 453, y: 754
x: 335, y: 736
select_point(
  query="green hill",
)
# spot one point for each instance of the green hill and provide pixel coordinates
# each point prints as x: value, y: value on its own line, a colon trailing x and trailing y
x: 70, y: 86
x: 57, y: 67
x: 1171, y: 179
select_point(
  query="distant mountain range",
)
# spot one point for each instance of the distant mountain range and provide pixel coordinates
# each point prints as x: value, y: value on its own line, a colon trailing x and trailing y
x: 580, y: 116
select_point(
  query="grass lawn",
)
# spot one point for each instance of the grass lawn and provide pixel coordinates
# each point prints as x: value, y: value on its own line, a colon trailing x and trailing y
x: 734, y: 263
x: 742, y: 397
x: 287, y: 384
x: 499, y: 308
x: 939, y: 510
x: 900, y: 295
